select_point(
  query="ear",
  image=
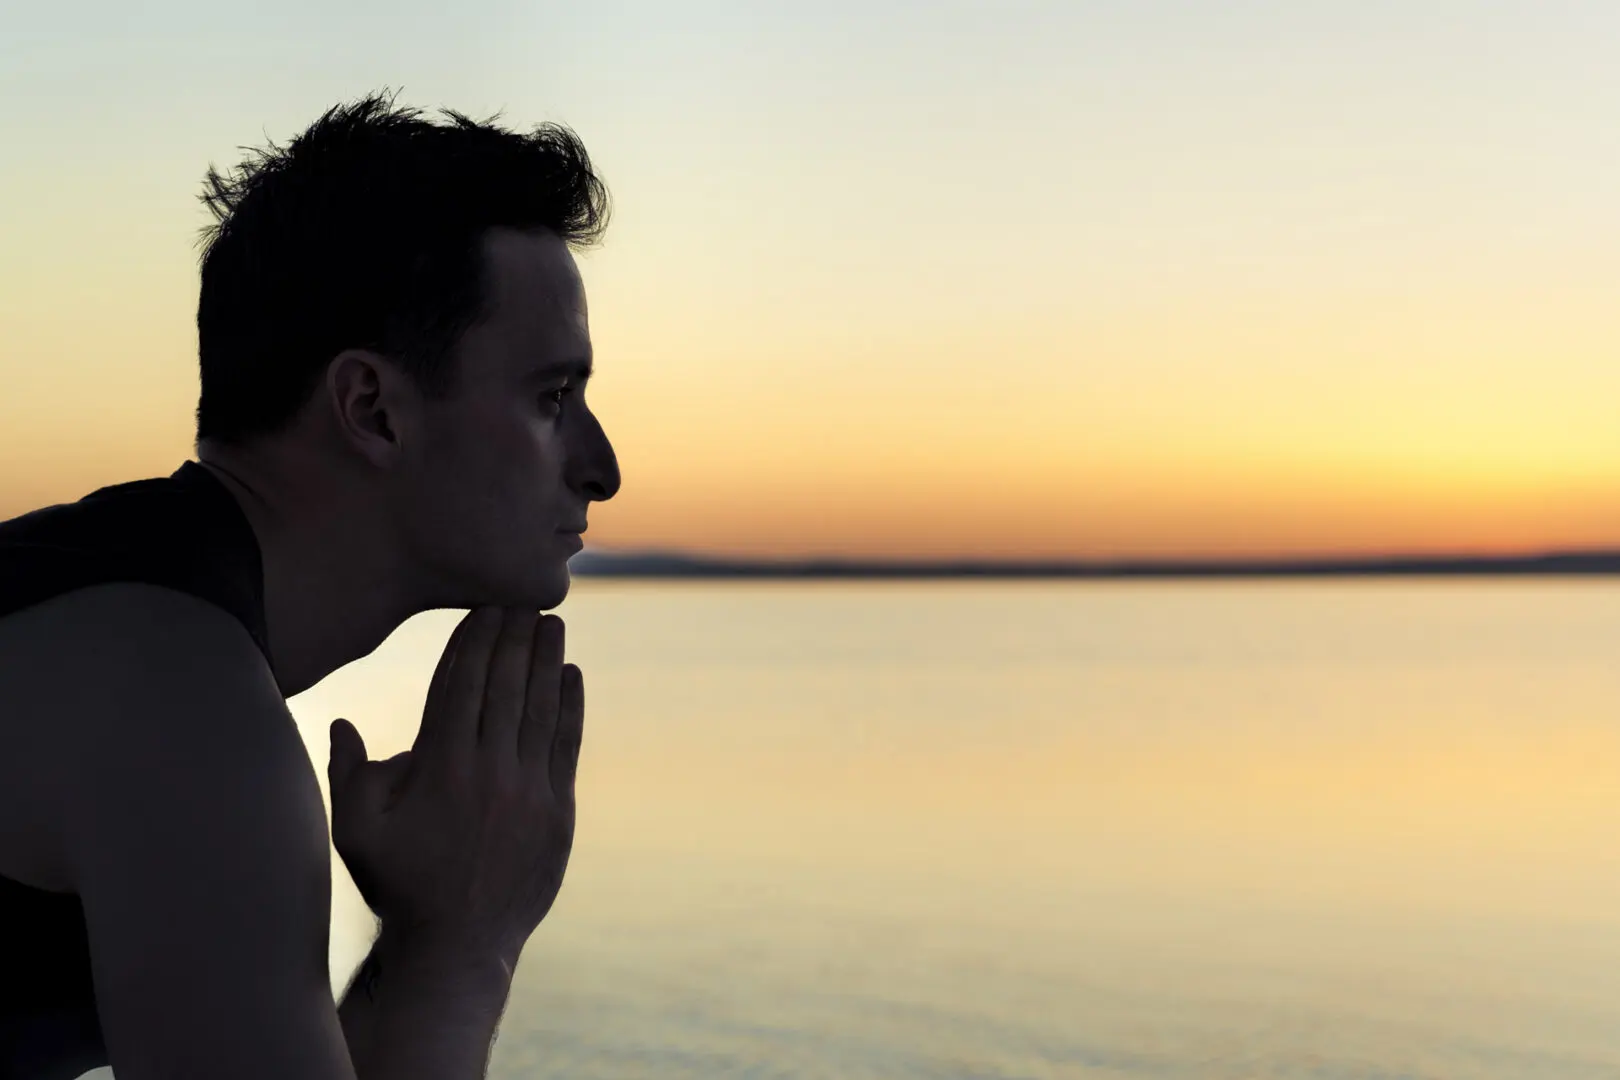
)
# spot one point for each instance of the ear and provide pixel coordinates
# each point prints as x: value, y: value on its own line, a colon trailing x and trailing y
x: 374, y: 404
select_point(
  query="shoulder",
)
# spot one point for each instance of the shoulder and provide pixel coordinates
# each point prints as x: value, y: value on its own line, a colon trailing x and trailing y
x: 134, y: 709
x: 122, y: 664
x: 121, y: 620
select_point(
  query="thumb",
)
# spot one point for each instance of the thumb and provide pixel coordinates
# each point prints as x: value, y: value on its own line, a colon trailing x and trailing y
x: 348, y: 755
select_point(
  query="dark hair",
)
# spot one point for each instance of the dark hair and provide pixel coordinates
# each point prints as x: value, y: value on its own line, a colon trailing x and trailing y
x: 366, y: 231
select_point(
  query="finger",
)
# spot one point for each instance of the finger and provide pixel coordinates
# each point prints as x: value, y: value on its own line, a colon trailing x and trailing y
x: 348, y: 754
x: 507, y: 684
x: 356, y: 794
x: 441, y: 672
x: 434, y: 727
x: 570, y: 732
x: 545, y: 676
x: 449, y: 735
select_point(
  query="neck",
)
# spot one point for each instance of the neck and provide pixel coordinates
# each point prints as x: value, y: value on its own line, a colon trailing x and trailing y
x: 331, y: 572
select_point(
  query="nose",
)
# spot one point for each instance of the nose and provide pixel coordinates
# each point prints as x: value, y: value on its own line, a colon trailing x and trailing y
x: 594, y: 466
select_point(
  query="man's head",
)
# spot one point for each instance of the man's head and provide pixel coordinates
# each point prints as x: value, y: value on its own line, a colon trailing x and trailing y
x: 397, y: 300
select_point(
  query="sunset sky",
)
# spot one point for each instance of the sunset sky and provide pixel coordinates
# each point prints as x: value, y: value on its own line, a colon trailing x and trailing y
x: 1070, y: 278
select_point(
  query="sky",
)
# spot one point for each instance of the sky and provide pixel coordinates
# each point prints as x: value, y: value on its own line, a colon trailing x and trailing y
x: 1022, y: 279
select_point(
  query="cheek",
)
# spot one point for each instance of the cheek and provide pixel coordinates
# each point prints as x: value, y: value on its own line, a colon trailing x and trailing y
x: 526, y: 468
x: 461, y: 488
x: 497, y: 467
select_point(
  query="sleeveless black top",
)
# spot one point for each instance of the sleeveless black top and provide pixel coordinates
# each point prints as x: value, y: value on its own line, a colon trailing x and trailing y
x: 184, y: 531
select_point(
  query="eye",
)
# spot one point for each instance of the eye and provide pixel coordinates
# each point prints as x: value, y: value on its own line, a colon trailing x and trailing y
x: 555, y: 397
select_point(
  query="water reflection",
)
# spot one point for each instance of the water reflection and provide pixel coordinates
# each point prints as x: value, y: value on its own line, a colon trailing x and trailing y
x: 1083, y: 829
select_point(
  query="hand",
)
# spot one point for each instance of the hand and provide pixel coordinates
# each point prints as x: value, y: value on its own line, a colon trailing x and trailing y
x: 462, y: 841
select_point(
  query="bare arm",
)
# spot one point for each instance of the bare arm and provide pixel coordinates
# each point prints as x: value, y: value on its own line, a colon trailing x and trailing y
x: 198, y: 845
x: 405, y: 984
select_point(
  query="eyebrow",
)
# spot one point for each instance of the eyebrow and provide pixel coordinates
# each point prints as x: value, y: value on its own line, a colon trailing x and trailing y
x: 578, y: 367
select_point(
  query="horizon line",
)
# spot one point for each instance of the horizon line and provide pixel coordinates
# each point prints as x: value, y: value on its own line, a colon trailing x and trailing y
x: 652, y: 564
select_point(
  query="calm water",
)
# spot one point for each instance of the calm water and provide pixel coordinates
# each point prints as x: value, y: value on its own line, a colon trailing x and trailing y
x: 1041, y: 830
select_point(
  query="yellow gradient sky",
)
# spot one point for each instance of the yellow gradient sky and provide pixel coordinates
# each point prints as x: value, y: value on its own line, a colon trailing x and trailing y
x: 1015, y: 279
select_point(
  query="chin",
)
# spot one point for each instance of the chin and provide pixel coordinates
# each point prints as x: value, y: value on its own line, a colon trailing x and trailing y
x: 541, y: 590
x: 554, y: 587
x: 558, y: 592
x: 545, y: 590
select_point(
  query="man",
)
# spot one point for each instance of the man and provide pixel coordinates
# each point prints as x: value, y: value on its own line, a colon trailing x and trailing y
x: 394, y: 349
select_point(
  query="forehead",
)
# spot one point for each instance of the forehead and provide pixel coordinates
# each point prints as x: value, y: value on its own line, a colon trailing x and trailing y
x: 534, y: 304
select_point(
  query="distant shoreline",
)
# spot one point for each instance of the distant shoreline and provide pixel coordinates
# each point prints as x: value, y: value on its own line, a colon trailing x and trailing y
x: 657, y: 565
